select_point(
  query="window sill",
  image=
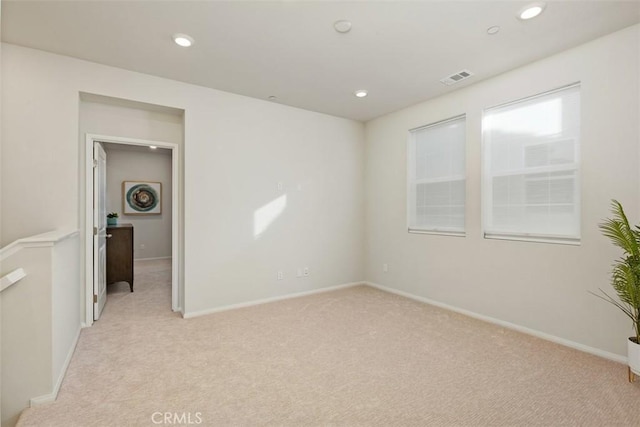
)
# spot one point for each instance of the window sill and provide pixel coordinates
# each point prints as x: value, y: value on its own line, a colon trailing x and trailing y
x: 570, y: 241
x: 438, y: 233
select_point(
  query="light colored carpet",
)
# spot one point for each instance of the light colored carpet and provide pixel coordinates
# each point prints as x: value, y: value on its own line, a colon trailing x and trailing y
x: 353, y: 357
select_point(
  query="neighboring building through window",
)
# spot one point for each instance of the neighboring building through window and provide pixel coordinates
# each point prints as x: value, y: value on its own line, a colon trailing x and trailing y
x: 531, y: 180
x: 436, y: 163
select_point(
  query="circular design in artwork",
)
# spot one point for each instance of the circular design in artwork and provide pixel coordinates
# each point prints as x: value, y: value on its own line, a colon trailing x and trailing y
x: 142, y: 198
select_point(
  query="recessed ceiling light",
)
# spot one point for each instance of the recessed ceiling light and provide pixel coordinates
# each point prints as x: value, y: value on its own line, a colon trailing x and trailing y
x: 360, y: 93
x: 342, y: 26
x: 493, y: 30
x: 153, y: 147
x: 183, y: 40
x: 272, y: 98
x: 531, y: 11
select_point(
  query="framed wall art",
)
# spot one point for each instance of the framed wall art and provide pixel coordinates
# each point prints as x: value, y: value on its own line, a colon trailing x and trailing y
x: 141, y: 198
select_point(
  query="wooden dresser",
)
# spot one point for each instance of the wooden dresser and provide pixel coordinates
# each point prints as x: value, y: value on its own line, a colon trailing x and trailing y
x: 120, y: 254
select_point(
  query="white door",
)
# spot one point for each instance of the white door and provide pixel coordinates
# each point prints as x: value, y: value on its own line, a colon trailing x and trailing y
x: 99, y: 229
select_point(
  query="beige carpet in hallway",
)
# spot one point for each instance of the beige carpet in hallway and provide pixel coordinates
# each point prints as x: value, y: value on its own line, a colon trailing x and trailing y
x: 353, y: 357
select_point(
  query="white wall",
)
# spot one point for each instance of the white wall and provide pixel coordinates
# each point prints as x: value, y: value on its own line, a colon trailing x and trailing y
x: 65, y: 304
x: 229, y: 177
x: 41, y: 318
x: 236, y: 150
x: 539, y: 286
x: 103, y: 115
x: 26, y: 332
x: 152, y: 233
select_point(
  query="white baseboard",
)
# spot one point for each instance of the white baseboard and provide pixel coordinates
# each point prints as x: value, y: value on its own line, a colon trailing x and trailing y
x: 151, y: 259
x: 562, y: 341
x: 48, y: 398
x: 189, y: 315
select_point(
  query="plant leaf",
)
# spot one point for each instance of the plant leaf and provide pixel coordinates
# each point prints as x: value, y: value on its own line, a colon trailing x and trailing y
x: 625, y: 274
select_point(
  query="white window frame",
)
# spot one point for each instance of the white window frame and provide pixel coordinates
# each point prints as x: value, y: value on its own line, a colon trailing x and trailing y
x: 487, y: 188
x: 411, y: 155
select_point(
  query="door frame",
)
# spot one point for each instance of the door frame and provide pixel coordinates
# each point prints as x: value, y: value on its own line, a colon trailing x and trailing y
x: 100, y: 225
x: 176, y: 233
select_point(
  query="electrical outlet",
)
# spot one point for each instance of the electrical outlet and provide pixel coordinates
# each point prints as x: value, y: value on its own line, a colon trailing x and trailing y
x: 299, y: 272
x: 280, y: 185
x: 385, y: 267
x: 305, y: 272
x: 280, y: 275
x: 142, y: 246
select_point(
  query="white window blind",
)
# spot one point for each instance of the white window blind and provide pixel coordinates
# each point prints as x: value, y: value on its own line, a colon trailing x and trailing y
x: 531, y: 168
x: 436, y: 166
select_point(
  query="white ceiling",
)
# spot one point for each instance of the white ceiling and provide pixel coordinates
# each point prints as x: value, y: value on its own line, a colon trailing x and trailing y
x: 397, y: 50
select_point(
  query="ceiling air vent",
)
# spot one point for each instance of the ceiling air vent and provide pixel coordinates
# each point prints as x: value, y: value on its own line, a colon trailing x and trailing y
x: 457, y: 77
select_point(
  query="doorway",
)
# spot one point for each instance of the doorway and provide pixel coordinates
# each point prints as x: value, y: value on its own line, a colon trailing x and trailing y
x: 95, y: 232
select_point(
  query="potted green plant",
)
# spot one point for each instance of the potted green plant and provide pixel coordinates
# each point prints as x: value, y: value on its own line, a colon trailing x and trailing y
x: 112, y: 218
x: 625, y: 278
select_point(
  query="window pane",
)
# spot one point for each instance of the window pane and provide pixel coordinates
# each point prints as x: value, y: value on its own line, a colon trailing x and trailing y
x: 531, y: 164
x: 437, y: 177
